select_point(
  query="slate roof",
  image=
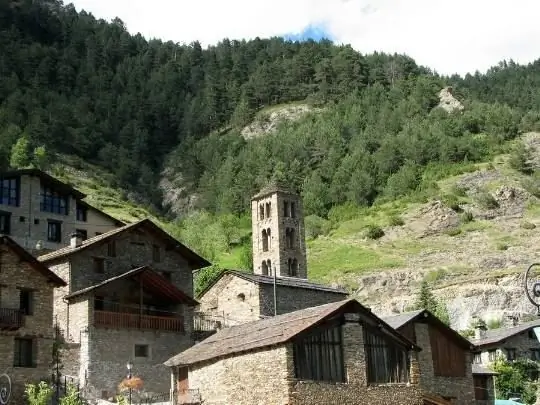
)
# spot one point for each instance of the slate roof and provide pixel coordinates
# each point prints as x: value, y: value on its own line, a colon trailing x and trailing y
x: 31, y: 260
x: 60, y: 185
x: 273, y: 331
x: 151, y: 279
x: 280, y: 281
x: 493, y: 336
x: 274, y: 187
x: 192, y: 257
x: 479, y: 370
x: 400, y: 320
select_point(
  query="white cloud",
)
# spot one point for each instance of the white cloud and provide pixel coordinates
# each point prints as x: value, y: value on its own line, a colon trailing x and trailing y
x: 448, y: 36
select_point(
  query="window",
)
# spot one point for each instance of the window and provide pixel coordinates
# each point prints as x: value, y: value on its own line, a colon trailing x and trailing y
x: 25, y: 353
x: 99, y: 303
x: 9, y: 191
x: 319, y: 356
x: 289, y: 238
x: 268, y: 209
x: 99, y: 265
x: 535, y: 354
x: 156, y: 253
x: 54, y: 231
x: 264, y: 268
x: 386, y: 361
x: 292, y: 267
x: 261, y: 211
x: 492, y: 355
x: 82, y: 233
x: 510, y: 354
x: 52, y: 201
x: 532, y: 335
x: 265, y: 239
x: 22, y: 219
x: 477, y: 358
x: 293, y: 210
x: 141, y: 351
x: 285, y: 208
x: 82, y: 213
x: 5, y: 223
x: 36, y: 221
x: 111, y: 248
x: 26, y: 301
x: 167, y: 275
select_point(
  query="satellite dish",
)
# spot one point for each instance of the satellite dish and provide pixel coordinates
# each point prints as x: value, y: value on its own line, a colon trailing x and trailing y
x: 532, y: 285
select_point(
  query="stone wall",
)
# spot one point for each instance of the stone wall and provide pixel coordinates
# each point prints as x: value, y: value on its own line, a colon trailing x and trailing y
x: 291, y: 299
x: 521, y: 342
x: 29, y: 223
x: 277, y: 222
x: 462, y: 388
x: 16, y: 275
x: 253, y: 378
x: 235, y: 299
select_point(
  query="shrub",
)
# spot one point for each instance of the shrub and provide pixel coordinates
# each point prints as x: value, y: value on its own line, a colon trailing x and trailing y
x: 502, y: 246
x: 467, y: 217
x: 316, y: 226
x: 494, y: 323
x: 396, y: 220
x: 39, y: 394
x: 374, y: 232
x: 453, y: 231
x: 527, y: 225
x: 486, y: 201
x: 452, y: 202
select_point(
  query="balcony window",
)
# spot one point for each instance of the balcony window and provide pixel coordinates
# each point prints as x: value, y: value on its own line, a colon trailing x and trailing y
x: 54, y: 231
x: 5, y: 223
x: 52, y: 201
x: 9, y: 191
x: 26, y: 302
x: 25, y: 353
x: 82, y: 213
x: 319, y: 356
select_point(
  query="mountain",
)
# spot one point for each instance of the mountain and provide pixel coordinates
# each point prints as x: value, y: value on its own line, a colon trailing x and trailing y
x: 189, y: 134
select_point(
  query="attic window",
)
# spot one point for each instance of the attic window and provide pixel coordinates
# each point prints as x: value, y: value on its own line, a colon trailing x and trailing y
x: 241, y: 297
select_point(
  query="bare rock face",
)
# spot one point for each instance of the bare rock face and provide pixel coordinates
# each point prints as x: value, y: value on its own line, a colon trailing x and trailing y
x: 448, y: 102
x: 434, y: 217
x: 268, y: 123
x: 174, y: 192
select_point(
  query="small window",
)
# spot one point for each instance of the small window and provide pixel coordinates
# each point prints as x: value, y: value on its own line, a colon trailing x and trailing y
x: 167, y: 275
x: 261, y: 211
x: 285, y: 208
x: 54, y: 231
x: 268, y: 210
x: 99, y: 303
x: 156, y: 253
x: 111, y: 248
x: 477, y: 358
x: 25, y: 353
x: 10, y: 191
x: 22, y: 219
x: 82, y: 233
x: 241, y: 297
x: 141, y: 350
x: 82, y: 213
x: 492, y: 355
x: 532, y: 335
x: 5, y: 223
x: 36, y: 221
x: 99, y: 265
x: 535, y: 354
x: 26, y: 302
x: 510, y: 354
x: 293, y: 210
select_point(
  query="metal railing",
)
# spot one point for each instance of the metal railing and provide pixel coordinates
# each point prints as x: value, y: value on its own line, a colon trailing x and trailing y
x: 205, y: 322
x: 11, y: 318
x: 124, y: 320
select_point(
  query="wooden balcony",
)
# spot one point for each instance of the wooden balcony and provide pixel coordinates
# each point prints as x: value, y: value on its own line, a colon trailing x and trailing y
x: 123, y: 320
x: 11, y: 319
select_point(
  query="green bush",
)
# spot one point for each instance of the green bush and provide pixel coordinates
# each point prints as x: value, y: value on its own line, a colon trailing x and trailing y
x: 453, y: 231
x: 39, y: 394
x: 467, y: 217
x: 527, y: 225
x: 374, y: 232
x: 396, y: 220
x: 486, y: 201
x: 502, y: 246
x: 316, y: 226
x: 452, y: 202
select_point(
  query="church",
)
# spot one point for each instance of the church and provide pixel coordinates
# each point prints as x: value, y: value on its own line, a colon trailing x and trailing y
x: 279, y: 281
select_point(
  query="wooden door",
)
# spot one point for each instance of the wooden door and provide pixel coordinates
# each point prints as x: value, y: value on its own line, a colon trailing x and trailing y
x: 182, y: 383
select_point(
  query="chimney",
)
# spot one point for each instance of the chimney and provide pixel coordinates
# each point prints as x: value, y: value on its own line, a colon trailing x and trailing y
x: 511, y: 320
x: 76, y: 240
x: 480, y: 328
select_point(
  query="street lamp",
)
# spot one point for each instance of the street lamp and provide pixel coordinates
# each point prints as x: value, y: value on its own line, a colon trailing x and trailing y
x: 129, y: 366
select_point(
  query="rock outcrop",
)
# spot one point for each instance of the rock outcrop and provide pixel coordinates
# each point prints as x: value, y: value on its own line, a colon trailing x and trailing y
x: 448, y: 102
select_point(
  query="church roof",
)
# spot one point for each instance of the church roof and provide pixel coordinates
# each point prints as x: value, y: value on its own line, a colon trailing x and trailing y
x: 272, y: 187
x: 293, y: 282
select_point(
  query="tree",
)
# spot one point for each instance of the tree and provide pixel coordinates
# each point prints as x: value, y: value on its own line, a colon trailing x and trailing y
x: 20, y: 154
x: 427, y: 300
x: 41, y: 160
x: 515, y: 378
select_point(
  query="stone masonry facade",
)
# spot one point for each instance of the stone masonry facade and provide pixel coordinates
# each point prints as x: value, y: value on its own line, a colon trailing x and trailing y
x: 523, y: 345
x: 278, y: 216
x: 238, y: 300
x: 17, y: 276
x: 29, y: 223
x: 98, y: 355
x: 460, y: 387
x: 267, y: 377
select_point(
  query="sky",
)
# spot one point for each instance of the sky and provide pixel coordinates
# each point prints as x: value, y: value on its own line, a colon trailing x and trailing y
x: 457, y: 36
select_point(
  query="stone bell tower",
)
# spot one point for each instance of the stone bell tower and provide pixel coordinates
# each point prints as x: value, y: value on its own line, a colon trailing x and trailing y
x: 279, y: 241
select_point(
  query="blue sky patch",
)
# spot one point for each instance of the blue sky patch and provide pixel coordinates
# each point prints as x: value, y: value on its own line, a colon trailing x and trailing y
x: 314, y: 32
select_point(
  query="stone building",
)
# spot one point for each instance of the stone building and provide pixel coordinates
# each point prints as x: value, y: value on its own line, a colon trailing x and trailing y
x: 337, y: 353
x: 279, y: 245
x: 26, y: 318
x: 445, y: 360
x: 238, y: 297
x: 40, y: 212
x: 484, y: 384
x: 129, y: 298
x: 279, y: 257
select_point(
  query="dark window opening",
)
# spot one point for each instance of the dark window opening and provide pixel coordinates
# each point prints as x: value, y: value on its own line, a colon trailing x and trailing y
x: 141, y: 350
x: 492, y: 355
x: 111, y: 248
x: 292, y: 267
x: 285, y: 208
x: 36, y: 221
x: 25, y: 352
x: 268, y: 209
x: 82, y: 213
x: 261, y: 211
x: 26, y: 302
x: 167, y: 275
x: 510, y: 354
x: 387, y: 362
x: 5, y: 223
x: 477, y: 358
x: 22, y: 219
x: 293, y: 210
x: 156, y: 253
x: 99, y: 303
x: 265, y: 239
x: 264, y: 268
x: 289, y: 238
x: 9, y: 191
x: 535, y: 354
x: 82, y: 233
x: 319, y: 356
x: 99, y: 265
x: 53, y: 201
x: 54, y: 232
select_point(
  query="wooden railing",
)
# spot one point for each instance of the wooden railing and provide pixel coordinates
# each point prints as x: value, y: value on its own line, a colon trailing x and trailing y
x: 122, y: 320
x: 11, y: 318
x: 203, y: 322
